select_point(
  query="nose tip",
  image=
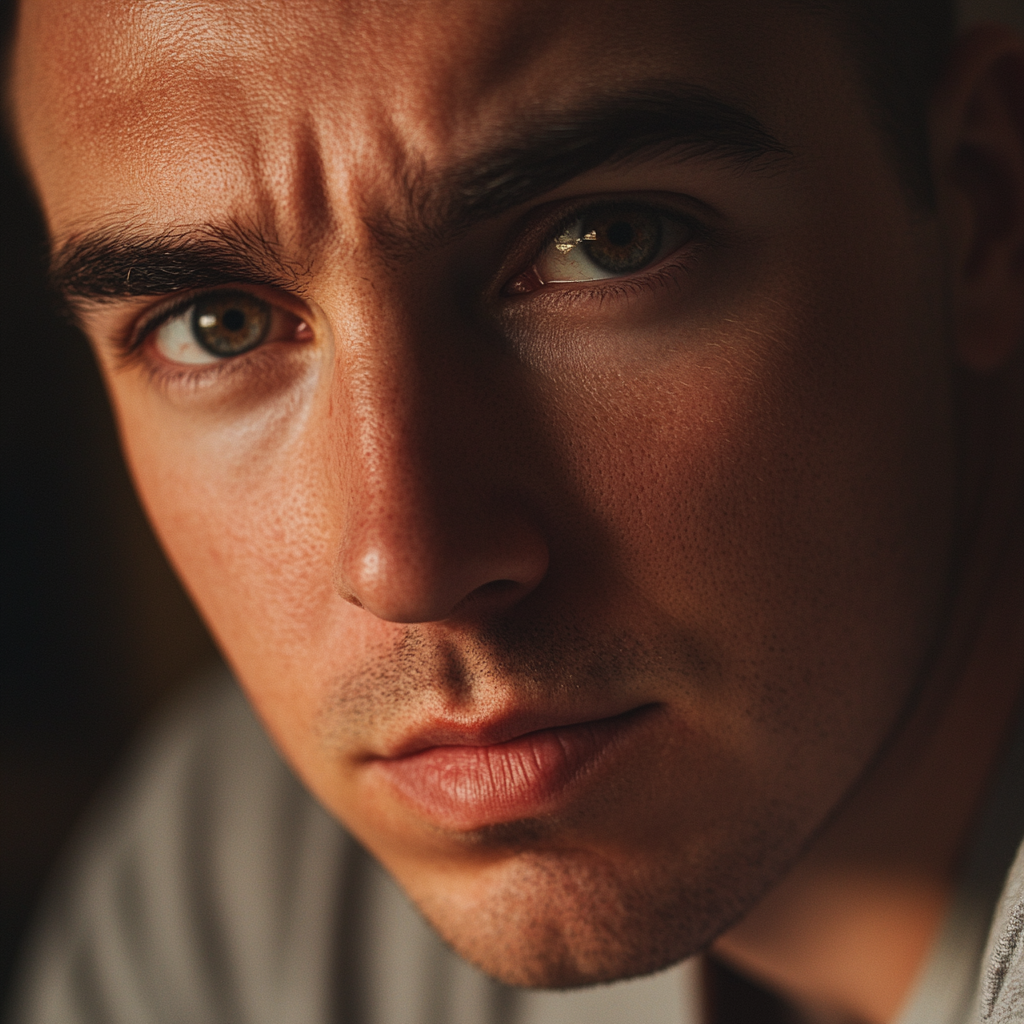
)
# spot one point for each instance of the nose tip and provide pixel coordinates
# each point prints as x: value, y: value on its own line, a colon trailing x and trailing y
x: 409, y: 582
x: 436, y: 497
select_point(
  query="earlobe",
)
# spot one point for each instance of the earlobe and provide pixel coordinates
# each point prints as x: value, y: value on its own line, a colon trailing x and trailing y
x: 978, y: 167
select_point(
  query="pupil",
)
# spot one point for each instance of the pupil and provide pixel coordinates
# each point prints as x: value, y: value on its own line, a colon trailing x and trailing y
x: 228, y: 324
x: 623, y: 238
x: 233, y: 319
x: 620, y: 233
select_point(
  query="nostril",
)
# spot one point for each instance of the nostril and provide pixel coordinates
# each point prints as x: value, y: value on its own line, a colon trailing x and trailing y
x: 403, y: 569
x: 496, y: 587
x: 488, y: 597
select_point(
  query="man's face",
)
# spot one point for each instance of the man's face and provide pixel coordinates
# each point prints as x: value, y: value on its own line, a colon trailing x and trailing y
x: 579, y: 525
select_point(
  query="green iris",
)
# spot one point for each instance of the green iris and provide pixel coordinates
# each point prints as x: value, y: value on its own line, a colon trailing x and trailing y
x: 230, y: 323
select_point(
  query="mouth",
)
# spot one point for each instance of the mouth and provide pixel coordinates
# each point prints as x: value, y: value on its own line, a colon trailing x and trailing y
x: 467, y: 783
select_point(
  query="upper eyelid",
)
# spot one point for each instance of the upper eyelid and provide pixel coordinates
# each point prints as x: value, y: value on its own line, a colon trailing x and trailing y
x: 153, y: 319
x: 549, y: 231
x: 173, y: 306
x: 176, y: 305
x: 587, y: 204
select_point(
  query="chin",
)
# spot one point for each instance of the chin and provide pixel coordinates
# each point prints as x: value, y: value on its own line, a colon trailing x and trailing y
x: 571, y: 918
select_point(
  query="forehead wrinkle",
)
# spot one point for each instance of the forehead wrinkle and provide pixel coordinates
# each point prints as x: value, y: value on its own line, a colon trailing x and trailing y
x: 543, y: 150
x: 294, y: 193
x: 424, y: 206
x: 416, y: 220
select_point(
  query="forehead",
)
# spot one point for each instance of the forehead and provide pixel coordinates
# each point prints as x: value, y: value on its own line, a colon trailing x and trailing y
x: 151, y: 111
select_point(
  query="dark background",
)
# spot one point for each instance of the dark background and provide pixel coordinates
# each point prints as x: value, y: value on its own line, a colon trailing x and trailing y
x: 96, y: 630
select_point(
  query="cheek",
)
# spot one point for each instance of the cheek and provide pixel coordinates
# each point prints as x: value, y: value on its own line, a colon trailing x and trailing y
x: 240, y: 506
x: 777, y: 491
x: 769, y: 491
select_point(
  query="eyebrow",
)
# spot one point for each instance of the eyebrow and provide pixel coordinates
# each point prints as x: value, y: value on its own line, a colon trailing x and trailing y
x: 119, y: 262
x: 667, y: 120
x: 542, y: 152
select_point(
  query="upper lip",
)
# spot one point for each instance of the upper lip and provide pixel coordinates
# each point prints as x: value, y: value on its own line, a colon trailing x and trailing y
x: 498, y: 729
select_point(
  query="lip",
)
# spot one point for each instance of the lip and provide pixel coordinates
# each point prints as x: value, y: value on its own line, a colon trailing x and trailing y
x: 462, y: 780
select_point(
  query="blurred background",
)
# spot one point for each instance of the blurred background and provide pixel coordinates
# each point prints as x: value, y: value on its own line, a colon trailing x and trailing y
x: 96, y: 630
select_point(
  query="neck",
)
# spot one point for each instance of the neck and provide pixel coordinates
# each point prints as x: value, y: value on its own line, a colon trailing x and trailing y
x: 846, y: 932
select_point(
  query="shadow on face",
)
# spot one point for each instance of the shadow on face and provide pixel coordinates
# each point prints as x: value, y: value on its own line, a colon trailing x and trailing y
x: 544, y: 415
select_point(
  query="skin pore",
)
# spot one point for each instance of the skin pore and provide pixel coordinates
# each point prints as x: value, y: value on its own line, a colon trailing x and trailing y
x: 731, y: 495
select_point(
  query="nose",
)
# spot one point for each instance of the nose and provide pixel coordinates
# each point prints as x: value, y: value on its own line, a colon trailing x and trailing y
x: 437, y: 524
x: 406, y: 571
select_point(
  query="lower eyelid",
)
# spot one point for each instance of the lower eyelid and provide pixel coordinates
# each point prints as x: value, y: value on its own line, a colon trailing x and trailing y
x: 669, y: 276
x: 222, y: 384
x: 173, y: 341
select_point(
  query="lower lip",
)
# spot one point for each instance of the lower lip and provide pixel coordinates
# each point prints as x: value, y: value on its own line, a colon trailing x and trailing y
x: 463, y: 787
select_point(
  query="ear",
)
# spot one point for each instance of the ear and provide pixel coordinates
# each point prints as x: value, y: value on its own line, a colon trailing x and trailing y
x: 978, y: 168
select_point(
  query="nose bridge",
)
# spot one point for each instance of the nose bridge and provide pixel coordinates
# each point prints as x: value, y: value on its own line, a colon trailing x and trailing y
x: 393, y: 470
x: 428, y: 521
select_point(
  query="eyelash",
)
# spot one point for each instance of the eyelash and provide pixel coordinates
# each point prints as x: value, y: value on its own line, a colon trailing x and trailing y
x: 134, y: 340
x: 602, y: 289
x: 176, y: 380
x: 183, y: 377
x: 131, y: 346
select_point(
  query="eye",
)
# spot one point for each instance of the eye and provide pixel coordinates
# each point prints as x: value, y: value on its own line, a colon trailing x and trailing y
x: 611, y: 240
x: 222, y: 325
